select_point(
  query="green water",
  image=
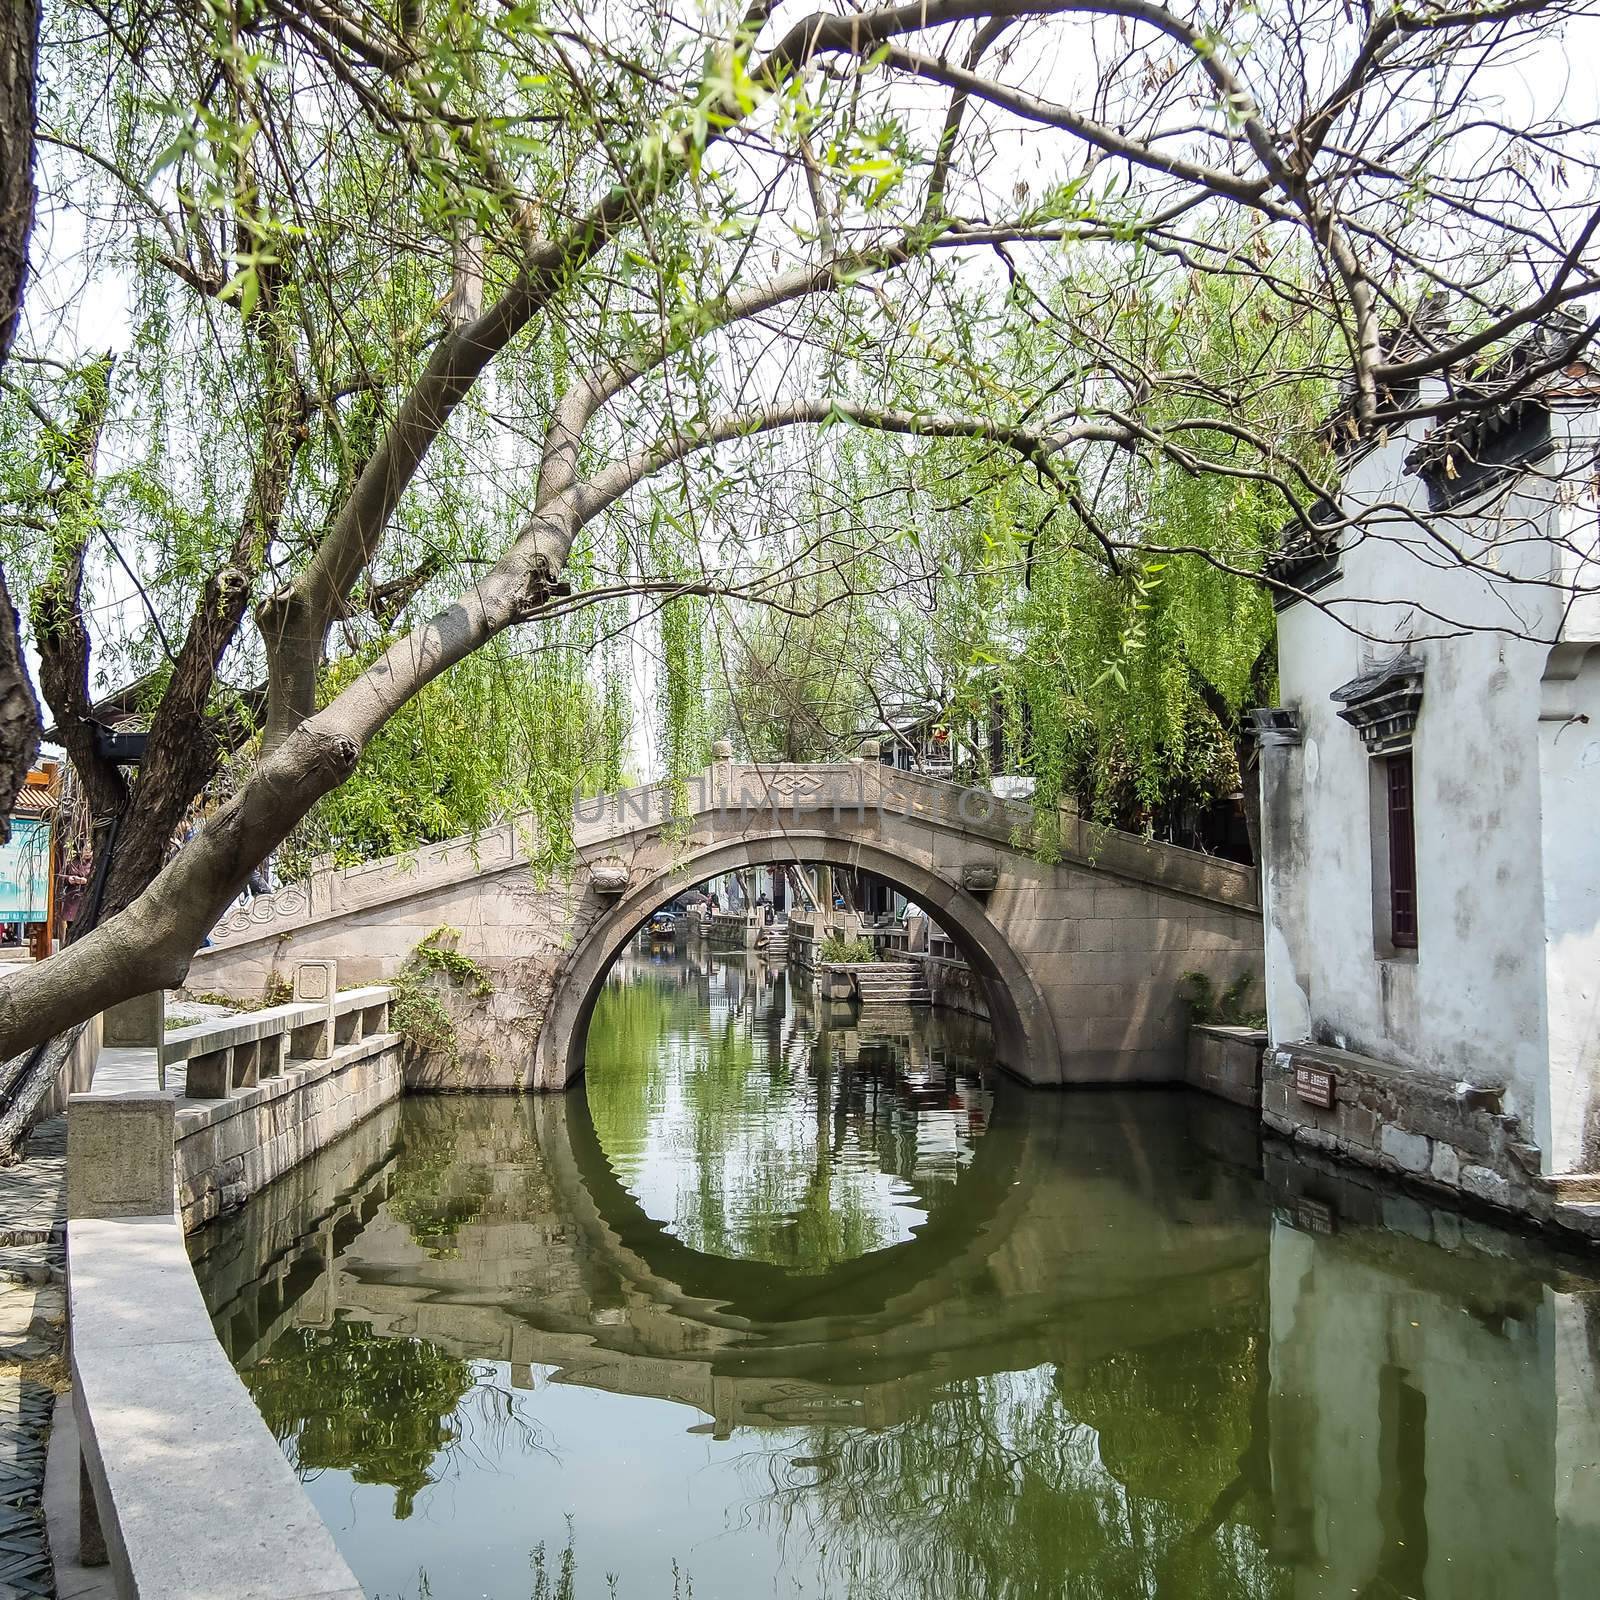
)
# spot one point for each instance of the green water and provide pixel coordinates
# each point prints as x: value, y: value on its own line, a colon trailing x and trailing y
x: 783, y: 1303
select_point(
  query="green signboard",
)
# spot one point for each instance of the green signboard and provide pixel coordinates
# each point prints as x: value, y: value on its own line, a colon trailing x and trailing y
x: 25, y: 871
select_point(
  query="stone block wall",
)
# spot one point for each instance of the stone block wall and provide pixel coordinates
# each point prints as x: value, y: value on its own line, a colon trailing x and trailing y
x: 953, y: 986
x: 229, y: 1149
x: 1452, y: 1139
x: 77, y: 1071
x: 1226, y: 1062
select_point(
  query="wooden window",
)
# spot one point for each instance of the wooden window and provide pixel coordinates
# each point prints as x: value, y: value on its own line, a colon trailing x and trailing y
x: 1402, y: 853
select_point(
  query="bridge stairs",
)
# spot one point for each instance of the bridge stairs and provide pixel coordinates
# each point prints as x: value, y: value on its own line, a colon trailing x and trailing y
x: 898, y: 983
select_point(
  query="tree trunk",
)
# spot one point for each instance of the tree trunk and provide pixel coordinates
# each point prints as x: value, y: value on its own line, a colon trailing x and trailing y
x: 63, y: 641
x: 19, y: 60
x: 19, y: 711
x: 24, y: 1083
x: 19, y: 63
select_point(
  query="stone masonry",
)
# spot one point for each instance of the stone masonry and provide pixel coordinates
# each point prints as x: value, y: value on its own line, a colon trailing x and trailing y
x: 1079, y: 960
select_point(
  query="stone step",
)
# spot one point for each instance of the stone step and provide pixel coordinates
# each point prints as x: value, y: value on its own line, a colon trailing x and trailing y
x: 1574, y: 1186
x: 895, y: 992
x: 1582, y: 1216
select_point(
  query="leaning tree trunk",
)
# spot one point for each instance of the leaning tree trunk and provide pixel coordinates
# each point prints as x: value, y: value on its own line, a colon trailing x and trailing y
x: 25, y: 1081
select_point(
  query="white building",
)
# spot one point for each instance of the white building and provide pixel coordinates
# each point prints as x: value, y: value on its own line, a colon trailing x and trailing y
x: 1430, y: 797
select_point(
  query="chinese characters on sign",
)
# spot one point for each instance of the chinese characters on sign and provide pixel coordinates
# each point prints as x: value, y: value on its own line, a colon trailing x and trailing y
x: 1314, y: 1086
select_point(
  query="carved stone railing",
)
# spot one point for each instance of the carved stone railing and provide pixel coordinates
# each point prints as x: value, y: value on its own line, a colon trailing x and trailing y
x: 732, y: 797
x: 240, y: 1052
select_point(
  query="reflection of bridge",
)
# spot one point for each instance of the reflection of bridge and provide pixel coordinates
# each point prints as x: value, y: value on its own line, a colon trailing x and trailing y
x: 1056, y: 1253
x: 1079, y: 961
x: 1371, y: 1405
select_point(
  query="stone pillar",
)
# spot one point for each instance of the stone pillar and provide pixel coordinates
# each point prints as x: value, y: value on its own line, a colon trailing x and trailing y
x: 1279, y: 766
x: 139, y: 1023
x: 315, y: 983
x: 120, y: 1154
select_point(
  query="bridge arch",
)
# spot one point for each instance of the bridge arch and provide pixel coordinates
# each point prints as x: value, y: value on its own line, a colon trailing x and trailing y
x: 1025, y: 1033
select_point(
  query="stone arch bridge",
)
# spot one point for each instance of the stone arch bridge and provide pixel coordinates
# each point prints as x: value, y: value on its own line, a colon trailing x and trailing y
x: 1078, y: 961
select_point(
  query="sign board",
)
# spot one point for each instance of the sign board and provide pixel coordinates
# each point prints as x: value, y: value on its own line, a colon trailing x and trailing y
x: 1313, y: 1216
x: 1314, y: 1086
x: 25, y: 871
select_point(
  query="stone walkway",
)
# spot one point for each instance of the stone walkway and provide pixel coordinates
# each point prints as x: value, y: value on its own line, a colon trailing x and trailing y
x: 32, y: 1314
x: 122, y: 1069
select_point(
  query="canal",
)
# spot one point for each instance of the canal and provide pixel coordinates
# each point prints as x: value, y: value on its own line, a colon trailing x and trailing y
x: 803, y: 1302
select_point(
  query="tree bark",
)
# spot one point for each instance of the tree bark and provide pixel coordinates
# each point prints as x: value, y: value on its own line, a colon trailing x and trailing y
x: 19, y: 65
x: 24, y: 1082
x: 186, y: 746
x: 19, y: 711
x: 19, y: 61
x: 63, y: 641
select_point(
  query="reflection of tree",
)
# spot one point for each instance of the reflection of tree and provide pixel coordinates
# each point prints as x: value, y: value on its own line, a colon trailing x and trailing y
x: 452, y: 1167
x: 375, y: 1406
x: 626, y: 1031
x: 1182, y: 1420
x: 1028, y: 1484
x: 432, y: 1190
x: 794, y: 1150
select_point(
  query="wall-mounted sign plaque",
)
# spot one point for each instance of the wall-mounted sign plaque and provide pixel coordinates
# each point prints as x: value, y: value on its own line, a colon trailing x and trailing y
x: 1314, y: 1086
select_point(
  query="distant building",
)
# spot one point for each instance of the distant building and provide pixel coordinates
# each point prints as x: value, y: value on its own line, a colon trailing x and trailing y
x: 1430, y: 796
x: 28, y: 865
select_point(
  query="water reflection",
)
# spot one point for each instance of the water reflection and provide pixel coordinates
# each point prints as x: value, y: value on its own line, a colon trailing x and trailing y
x: 1066, y: 1344
x: 756, y: 1125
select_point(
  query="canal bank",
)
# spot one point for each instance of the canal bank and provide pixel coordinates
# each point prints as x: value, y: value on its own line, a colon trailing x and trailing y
x: 787, y: 1193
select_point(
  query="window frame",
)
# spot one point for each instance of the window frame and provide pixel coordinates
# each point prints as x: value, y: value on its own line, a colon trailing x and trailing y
x: 1400, y: 817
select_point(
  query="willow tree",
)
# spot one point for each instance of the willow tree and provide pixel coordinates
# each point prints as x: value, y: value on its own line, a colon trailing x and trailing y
x: 589, y: 261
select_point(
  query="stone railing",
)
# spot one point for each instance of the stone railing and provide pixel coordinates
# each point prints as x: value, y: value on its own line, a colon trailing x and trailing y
x: 890, y: 940
x: 183, y: 1490
x: 604, y: 827
x: 735, y: 930
x: 241, y: 1052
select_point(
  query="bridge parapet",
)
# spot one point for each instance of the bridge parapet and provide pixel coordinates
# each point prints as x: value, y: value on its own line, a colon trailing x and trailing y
x: 737, y: 795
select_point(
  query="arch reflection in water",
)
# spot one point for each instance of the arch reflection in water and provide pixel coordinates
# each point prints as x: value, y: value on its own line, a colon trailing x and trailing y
x: 1062, y: 1344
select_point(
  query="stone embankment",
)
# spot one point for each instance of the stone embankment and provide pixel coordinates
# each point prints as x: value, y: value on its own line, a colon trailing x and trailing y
x: 1454, y: 1140
x: 167, y: 1432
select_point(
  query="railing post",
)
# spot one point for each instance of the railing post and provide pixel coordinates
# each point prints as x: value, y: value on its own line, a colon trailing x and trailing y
x: 120, y: 1155
x: 315, y: 983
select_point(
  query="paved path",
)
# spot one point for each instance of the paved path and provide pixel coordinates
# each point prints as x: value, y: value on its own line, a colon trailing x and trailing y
x: 121, y: 1069
x: 32, y: 1314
